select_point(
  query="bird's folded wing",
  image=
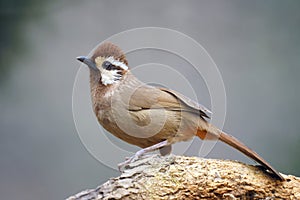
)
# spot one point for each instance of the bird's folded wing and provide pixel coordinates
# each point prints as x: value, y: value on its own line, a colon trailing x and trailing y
x: 187, y: 101
x: 148, y: 97
x: 192, y: 105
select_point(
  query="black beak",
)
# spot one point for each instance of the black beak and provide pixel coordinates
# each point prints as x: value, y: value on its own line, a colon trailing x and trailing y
x: 88, y: 62
x: 81, y: 58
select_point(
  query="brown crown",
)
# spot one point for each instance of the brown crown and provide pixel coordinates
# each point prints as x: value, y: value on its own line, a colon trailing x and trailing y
x: 108, y: 49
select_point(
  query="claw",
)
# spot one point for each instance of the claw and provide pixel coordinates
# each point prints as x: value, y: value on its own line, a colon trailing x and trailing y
x: 141, y: 152
x: 125, y: 163
x: 129, y: 160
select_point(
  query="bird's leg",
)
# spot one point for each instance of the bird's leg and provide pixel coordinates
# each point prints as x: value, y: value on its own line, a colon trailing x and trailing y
x: 141, y: 152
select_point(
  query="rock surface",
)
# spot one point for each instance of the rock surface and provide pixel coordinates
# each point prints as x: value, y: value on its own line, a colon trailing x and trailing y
x: 179, y: 177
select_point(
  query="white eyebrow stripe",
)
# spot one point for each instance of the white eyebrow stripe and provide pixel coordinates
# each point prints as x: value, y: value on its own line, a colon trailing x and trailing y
x: 117, y: 63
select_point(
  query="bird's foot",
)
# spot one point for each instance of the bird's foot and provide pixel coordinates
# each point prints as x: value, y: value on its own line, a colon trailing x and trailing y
x: 141, y: 152
x: 131, y: 159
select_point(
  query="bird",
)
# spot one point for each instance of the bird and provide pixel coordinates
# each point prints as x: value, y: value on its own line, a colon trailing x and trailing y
x: 148, y: 116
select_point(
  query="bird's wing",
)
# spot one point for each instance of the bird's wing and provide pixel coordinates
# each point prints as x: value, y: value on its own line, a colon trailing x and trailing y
x: 194, y: 106
x: 146, y: 97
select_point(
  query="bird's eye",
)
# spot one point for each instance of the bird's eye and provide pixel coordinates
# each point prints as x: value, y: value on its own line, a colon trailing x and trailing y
x: 107, y: 65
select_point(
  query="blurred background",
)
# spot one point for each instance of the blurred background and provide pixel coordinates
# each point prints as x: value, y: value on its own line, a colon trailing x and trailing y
x: 255, y: 45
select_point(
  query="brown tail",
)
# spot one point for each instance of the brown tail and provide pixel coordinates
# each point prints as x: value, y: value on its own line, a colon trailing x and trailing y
x: 233, y: 142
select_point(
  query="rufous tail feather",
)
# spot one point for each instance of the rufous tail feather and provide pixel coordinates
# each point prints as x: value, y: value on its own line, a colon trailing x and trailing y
x: 233, y: 142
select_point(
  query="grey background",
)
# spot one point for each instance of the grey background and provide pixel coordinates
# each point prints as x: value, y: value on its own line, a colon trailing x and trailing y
x: 255, y: 45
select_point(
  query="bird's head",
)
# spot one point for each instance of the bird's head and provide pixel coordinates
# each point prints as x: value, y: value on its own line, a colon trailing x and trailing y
x: 108, y: 61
